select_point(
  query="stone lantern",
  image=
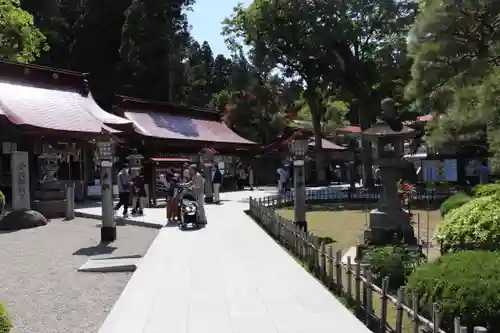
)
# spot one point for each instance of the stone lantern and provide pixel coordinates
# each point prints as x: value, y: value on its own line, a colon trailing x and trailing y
x: 135, y: 162
x: 389, y: 220
x: 49, y: 165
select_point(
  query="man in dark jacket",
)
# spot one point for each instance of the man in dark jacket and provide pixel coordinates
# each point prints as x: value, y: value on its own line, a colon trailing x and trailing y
x: 217, y: 181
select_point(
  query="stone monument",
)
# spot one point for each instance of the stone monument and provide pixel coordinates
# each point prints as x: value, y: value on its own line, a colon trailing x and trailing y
x: 50, y: 195
x: 389, y: 221
x: 20, y: 180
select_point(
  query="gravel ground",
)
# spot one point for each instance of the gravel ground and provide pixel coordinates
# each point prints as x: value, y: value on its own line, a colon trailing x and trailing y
x: 40, y: 284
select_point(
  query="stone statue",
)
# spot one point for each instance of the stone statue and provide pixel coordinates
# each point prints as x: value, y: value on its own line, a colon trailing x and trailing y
x: 390, y: 114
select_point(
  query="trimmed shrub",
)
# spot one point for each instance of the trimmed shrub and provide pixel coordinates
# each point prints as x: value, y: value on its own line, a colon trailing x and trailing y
x: 395, y: 262
x: 5, y: 323
x: 484, y: 190
x: 474, y: 226
x: 453, y: 202
x: 463, y: 284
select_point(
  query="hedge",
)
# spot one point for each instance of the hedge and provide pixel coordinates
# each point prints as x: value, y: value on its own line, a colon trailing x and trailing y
x: 464, y: 284
x: 474, y: 226
x: 5, y: 323
x: 484, y: 190
x: 453, y: 202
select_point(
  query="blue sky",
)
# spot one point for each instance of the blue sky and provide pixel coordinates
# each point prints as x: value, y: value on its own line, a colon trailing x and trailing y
x: 206, y: 21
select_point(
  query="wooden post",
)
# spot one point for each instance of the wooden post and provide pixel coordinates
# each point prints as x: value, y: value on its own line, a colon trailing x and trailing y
x: 349, y: 278
x: 357, y: 288
x: 399, y: 310
x: 338, y: 272
x: 414, y: 319
x: 323, y: 263
x: 435, y: 318
x: 383, y: 309
x: 330, y: 268
x: 317, y: 261
x: 368, y: 295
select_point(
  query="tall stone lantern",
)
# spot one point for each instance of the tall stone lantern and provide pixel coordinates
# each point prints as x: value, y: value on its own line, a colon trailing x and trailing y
x: 389, y: 220
x: 135, y: 162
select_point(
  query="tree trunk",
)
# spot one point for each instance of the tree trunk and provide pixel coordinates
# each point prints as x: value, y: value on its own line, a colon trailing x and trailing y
x: 366, y: 146
x: 316, y: 112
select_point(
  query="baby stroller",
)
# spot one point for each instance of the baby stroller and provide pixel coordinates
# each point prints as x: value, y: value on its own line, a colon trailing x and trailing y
x: 188, y: 208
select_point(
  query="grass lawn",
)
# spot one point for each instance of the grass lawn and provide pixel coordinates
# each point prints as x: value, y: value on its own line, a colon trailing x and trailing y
x: 343, y: 225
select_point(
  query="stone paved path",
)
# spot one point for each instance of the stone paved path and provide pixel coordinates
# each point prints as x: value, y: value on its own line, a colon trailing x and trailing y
x: 229, y: 277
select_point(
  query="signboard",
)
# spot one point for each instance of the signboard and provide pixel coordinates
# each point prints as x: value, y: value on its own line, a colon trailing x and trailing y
x: 20, y: 180
x: 439, y: 170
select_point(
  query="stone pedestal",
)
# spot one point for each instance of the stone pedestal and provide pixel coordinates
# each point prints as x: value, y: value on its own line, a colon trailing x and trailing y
x: 50, y: 199
x: 389, y: 226
x: 389, y: 223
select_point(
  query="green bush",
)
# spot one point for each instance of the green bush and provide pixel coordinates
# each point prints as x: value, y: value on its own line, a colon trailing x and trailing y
x: 5, y: 323
x: 464, y: 284
x: 474, y: 226
x: 393, y: 261
x: 484, y: 190
x: 453, y: 202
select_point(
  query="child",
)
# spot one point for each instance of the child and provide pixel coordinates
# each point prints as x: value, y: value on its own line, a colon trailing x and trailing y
x: 172, y: 198
x: 139, y: 194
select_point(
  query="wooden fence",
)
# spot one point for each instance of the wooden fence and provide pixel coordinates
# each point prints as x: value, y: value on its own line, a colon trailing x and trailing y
x: 372, y: 304
x: 334, y: 195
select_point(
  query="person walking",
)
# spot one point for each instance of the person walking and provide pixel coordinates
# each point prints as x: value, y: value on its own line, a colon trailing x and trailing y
x: 241, y: 175
x: 281, y: 178
x: 124, y: 187
x: 250, y: 177
x: 172, y: 198
x: 197, y: 185
x: 217, y: 181
x: 139, y: 196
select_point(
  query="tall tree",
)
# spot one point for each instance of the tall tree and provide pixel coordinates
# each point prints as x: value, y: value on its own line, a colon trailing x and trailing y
x: 97, y: 39
x: 456, y: 71
x: 154, y: 42
x: 20, y: 40
x: 329, y: 44
x: 248, y: 104
x: 56, y: 20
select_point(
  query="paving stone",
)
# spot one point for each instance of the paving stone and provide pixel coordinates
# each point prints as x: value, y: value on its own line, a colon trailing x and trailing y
x: 230, y: 277
x: 111, y: 264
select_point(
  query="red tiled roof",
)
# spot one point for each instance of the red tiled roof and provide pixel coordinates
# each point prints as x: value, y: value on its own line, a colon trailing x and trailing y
x: 327, y: 145
x: 47, y: 108
x: 209, y: 150
x: 177, y: 127
x: 170, y: 159
x: 106, y: 117
x: 426, y: 118
x: 349, y: 129
x: 51, y: 99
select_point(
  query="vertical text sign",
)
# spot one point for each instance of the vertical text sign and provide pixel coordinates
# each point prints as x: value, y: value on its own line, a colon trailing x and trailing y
x: 20, y: 180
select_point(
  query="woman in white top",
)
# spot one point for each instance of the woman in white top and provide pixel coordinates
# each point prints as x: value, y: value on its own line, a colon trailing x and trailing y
x: 197, y: 185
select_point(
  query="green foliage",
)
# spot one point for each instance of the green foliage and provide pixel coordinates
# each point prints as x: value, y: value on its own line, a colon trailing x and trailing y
x: 463, y: 284
x: 455, y: 74
x: 473, y: 226
x: 5, y: 323
x: 456, y: 200
x: 154, y: 36
x: 20, y: 40
x: 393, y: 261
x: 484, y: 190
